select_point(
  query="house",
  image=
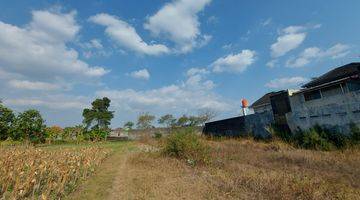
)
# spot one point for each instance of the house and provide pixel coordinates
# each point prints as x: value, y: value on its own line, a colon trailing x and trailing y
x: 331, y: 100
x: 263, y: 104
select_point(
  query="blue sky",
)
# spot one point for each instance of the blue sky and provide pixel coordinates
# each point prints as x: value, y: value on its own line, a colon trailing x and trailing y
x: 177, y: 57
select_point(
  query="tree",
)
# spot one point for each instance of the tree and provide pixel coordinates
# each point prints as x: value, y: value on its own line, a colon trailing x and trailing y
x: 206, y: 115
x: 168, y: 120
x: 195, y: 120
x: 7, y: 118
x: 129, y: 125
x: 183, y: 121
x: 99, y: 117
x: 29, y: 125
x: 145, y: 120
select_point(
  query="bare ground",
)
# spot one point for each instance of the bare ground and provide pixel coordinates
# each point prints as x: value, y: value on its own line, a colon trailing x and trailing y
x: 240, y: 169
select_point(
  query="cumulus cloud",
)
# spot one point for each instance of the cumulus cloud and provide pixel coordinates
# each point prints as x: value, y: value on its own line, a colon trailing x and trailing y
x: 126, y: 36
x: 40, y: 49
x: 194, y: 93
x: 178, y: 21
x: 235, y: 62
x: 33, y: 85
x: 141, y: 74
x: 290, y: 38
x: 314, y: 53
x: 56, y: 102
x: 286, y: 82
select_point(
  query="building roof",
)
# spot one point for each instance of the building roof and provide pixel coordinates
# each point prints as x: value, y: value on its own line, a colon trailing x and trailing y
x: 264, y: 100
x: 335, y: 74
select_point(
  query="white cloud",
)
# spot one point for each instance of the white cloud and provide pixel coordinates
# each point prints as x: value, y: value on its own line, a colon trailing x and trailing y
x: 40, y: 48
x: 235, y: 62
x: 289, y: 39
x: 272, y: 63
x: 314, y: 53
x: 196, y: 79
x: 92, y: 44
x: 266, y: 22
x: 227, y: 46
x: 178, y: 21
x: 171, y: 99
x: 126, y: 36
x: 194, y: 93
x: 286, y: 82
x: 33, y: 85
x: 56, y: 102
x: 141, y: 74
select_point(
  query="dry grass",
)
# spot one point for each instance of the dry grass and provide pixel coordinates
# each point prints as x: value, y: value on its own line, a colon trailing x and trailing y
x: 245, y: 169
x: 45, y: 173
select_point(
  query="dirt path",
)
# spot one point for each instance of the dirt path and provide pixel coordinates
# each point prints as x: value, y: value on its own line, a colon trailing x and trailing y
x: 106, y: 182
x: 118, y: 185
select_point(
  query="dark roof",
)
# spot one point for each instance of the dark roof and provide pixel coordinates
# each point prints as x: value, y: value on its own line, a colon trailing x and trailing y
x: 263, y: 100
x: 335, y: 74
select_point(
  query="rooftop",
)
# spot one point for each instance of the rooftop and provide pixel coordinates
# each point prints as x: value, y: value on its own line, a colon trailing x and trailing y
x: 335, y: 74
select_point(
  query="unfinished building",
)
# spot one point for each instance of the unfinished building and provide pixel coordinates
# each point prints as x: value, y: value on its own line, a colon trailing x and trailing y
x: 331, y: 101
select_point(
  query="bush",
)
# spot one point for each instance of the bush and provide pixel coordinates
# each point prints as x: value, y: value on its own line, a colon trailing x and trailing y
x: 97, y: 134
x: 355, y: 133
x: 311, y: 140
x: 157, y: 135
x: 277, y: 132
x: 54, y: 133
x: 185, y: 144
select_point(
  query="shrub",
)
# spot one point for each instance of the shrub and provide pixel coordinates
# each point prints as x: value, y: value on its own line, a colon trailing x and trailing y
x: 355, y: 133
x: 157, y: 135
x: 185, y: 144
x: 311, y: 140
x: 54, y: 133
x: 277, y: 132
x: 97, y: 134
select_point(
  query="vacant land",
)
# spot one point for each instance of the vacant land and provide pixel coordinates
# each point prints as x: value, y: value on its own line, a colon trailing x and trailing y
x: 238, y: 169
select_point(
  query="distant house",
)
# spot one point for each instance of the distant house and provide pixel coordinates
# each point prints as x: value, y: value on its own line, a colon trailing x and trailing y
x: 331, y: 100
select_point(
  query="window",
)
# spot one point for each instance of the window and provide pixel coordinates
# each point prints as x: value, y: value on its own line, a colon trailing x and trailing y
x: 312, y: 95
x: 331, y: 91
x: 353, y: 85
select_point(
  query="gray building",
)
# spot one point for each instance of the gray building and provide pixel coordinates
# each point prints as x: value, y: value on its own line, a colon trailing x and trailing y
x: 331, y: 100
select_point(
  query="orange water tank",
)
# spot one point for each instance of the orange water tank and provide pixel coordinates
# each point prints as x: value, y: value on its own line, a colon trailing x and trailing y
x: 244, y: 103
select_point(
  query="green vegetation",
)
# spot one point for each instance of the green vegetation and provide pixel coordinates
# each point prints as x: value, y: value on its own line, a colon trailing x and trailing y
x: 186, y: 144
x: 145, y: 121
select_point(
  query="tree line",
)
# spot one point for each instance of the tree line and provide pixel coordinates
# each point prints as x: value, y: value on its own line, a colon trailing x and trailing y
x: 146, y: 120
x: 30, y: 125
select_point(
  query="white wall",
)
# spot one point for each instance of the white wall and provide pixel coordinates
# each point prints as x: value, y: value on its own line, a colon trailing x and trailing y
x: 338, y: 110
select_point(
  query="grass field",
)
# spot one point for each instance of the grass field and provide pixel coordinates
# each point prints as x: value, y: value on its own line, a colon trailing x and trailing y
x: 239, y: 169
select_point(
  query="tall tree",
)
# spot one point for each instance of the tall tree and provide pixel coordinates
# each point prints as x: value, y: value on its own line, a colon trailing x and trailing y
x: 183, y: 121
x: 98, y: 117
x: 206, y: 115
x: 7, y: 118
x: 168, y: 120
x: 129, y: 125
x: 29, y: 125
x: 145, y: 121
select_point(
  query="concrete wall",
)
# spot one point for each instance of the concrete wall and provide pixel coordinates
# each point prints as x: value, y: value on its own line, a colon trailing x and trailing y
x: 334, y: 111
x: 263, y: 108
x: 255, y: 124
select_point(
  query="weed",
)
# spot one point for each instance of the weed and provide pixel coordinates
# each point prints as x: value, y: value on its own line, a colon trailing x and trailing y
x: 185, y: 144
